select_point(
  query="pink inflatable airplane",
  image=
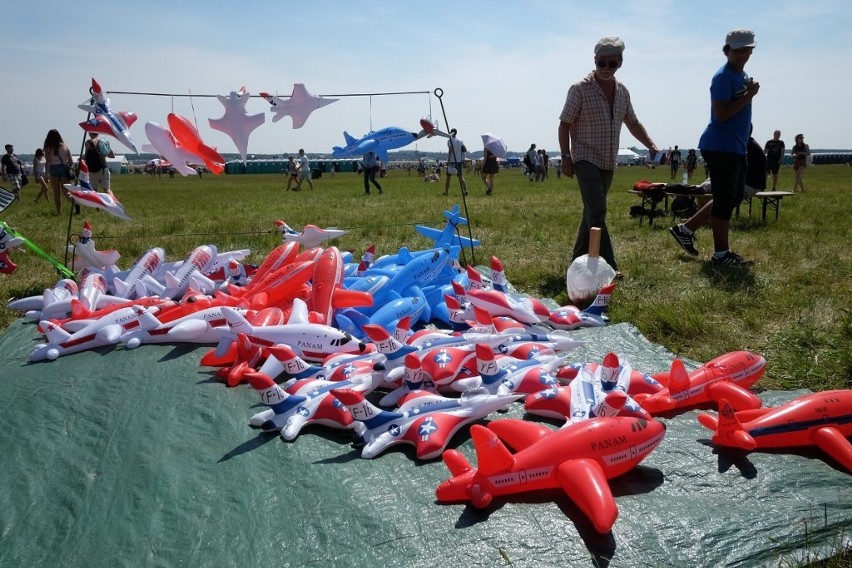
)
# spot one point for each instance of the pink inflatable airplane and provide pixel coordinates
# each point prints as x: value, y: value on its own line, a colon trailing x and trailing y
x: 299, y: 106
x: 578, y: 459
x: 236, y: 122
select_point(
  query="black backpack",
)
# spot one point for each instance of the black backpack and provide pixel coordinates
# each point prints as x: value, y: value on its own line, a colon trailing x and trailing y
x: 94, y: 159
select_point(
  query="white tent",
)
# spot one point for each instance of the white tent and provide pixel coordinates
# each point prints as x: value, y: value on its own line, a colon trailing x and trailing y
x: 626, y: 156
x: 118, y: 165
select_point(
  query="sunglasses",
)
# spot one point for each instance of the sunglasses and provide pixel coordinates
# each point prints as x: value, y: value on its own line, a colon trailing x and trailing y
x: 610, y: 64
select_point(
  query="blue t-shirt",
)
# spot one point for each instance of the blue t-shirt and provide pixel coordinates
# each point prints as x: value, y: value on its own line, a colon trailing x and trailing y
x: 731, y: 135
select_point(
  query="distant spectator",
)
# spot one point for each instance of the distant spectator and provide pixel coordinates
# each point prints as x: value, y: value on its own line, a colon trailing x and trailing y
x: 674, y: 161
x: 40, y: 175
x: 59, y: 162
x: 11, y: 168
x: 691, y: 164
x: 801, y: 152
x: 96, y: 153
x: 774, y: 150
x: 455, y: 162
x: 304, y: 170
x: 370, y: 165
x: 293, y: 173
x: 489, y: 168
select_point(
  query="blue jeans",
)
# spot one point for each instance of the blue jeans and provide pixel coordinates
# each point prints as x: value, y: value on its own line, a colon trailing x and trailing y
x: 594, y: 186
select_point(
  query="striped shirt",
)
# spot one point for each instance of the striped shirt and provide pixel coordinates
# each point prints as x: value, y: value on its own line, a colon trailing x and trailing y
x: 595, y: 130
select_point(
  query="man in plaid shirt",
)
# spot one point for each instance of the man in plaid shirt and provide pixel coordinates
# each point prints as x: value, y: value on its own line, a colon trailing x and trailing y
x: 589, y: 130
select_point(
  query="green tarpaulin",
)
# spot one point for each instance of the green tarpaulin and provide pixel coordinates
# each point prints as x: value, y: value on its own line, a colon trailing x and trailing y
x: 143, y: 458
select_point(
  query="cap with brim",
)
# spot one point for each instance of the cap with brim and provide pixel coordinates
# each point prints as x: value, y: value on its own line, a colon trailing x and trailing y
x: 739, y: 39
x: 609, y: 46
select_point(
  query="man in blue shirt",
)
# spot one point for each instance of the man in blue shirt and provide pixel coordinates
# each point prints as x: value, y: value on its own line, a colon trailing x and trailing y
x: 723, y: 146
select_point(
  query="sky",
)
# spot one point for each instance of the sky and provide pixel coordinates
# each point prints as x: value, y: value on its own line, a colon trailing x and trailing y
x: 502, y: 67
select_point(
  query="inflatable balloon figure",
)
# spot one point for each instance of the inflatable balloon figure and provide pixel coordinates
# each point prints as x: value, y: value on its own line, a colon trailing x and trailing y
x: 822, y: 419
x: 188, y: 137
x: 236, y: 122
x: 299, y: 106
x: 106, y: 121
x: 578, y: 459
x: 7, y: 243
x: 83, y: 194
x: 164, y: 143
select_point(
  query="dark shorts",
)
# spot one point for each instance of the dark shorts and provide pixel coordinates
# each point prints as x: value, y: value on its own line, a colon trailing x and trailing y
x: 727, y: 180
x: 773, y: 166
x: 58, y: 171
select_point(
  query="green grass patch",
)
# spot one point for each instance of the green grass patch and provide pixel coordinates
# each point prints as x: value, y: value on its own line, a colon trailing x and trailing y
x: 792, y: 306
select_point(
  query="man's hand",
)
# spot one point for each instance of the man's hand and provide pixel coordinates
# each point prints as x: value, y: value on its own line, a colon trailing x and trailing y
x: 568, y: 167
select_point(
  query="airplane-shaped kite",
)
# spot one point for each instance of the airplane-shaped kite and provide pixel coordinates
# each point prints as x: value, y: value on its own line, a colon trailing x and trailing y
x: 299, y: 106
x: 106, y: 121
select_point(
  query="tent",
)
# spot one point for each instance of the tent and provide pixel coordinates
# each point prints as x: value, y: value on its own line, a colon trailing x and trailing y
x: 627, y: 157
x: 119, y: 164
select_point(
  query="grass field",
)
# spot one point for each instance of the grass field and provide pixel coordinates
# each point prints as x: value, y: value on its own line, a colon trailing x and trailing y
x: 792, y: 305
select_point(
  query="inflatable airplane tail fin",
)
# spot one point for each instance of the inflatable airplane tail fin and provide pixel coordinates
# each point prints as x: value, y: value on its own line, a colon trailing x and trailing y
x: 362, y: 409
x: 54, y: 333
x: 492, y: 457
x: 729, y: 431
x: 456, y: 463
x: 486, y: 365
x: 386, y: 344
x: 601, y: 302
x: 147, y: 320
x: 678, y: 377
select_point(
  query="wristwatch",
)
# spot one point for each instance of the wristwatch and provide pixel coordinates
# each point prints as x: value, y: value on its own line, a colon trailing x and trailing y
x: 566, y: 155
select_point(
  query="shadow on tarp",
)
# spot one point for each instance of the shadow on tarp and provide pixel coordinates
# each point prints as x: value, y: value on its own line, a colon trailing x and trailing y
x: 136, y: 458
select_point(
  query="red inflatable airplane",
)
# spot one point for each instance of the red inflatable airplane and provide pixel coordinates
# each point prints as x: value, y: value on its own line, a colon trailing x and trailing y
x: 727, y: 376
x: 578, y: 459
x: 822, y: 419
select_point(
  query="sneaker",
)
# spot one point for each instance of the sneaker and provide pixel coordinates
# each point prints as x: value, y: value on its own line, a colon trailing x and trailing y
x: 686, y: 242
x: 730, y: 259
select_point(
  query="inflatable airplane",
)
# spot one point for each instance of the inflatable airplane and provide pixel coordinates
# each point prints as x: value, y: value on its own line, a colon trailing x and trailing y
x: 578, y: 459
x: 186, y: 135
x: 309, y: 237
x: 312, y: 341
x: 299, y: 106
x: 822, y: 419
x: 164, y: 143
x: 308, y: 401
x: 428, y: 422
x: 449, y: 235
x: 236, y: 122
x: 380, y: 141
x: 727, y: 376
x: 105, y: 121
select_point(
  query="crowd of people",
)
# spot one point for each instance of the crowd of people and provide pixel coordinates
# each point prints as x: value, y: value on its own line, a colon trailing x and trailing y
x: 589, y: 130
